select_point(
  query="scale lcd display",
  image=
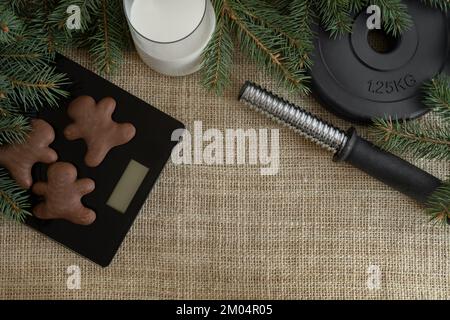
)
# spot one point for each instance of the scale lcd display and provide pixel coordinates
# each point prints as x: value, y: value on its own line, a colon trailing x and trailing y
x: 127, y: 186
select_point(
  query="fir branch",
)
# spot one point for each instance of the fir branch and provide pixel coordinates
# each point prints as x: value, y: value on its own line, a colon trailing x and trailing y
x: 88, y: 9
x: 295, y: 27
x: 424, y: 140
x: 13, y: 129
x: 278, y: 42
x: 107, y: 42
x: 34, y: 88
x: 7, y: 109
x: 335, y: 16
x: 357, y: 5
x: 19, y: 5
x: 270, y: 51
x: 41, y: 23
x: 299, y: 22
x: 31, y: 53
x: 5, y: 87
x: 395, y: 16
x: 443, y: 5
x: 438, y: 205
x: 14, y: 201
x: 437, y: 96
x: 283, y: 6
x: 36, y: 14
x: 10, y: 25
x: 218, y: 56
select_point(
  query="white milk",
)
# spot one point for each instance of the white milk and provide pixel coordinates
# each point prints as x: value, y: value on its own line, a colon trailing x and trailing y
x: 167, y: 20
x: 170, y: 35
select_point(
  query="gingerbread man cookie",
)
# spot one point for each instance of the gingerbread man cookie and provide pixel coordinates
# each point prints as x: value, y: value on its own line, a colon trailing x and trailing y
x: 20, y: 158
x: 62, y: 195
x: 93, y: 122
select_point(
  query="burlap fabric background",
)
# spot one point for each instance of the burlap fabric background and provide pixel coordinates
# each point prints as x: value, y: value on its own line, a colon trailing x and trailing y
x: 223, y: 232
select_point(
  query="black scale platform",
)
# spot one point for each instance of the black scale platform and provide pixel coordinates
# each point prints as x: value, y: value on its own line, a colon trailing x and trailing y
x: 134, y: 166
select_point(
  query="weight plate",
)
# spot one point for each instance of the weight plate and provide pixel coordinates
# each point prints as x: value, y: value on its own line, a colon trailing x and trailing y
x: 359, y: 83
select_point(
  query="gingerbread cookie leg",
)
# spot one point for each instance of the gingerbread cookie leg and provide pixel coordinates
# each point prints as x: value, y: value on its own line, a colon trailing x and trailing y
x: 20, y: 158
x: 62, y: 195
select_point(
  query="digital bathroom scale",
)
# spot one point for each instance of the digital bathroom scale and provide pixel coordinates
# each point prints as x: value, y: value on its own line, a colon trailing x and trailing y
x: 123, y: 180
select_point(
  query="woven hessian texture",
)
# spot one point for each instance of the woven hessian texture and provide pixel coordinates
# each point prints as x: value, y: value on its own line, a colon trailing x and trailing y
x: 226, y: 232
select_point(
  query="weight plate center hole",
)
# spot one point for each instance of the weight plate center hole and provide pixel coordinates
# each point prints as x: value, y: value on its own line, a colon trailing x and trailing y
x: 382, y: 42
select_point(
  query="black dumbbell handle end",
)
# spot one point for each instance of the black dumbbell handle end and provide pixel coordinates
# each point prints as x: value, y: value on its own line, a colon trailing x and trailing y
x: 388, y: 168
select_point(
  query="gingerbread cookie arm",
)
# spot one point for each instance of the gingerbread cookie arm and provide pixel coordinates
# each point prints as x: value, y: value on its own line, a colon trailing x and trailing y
x: 129, y: 131
x: 85, y: 186
x: 40, y: 212
x: 22, y: 175
x: 71, y: 132
x: 48, y: 156
x: 107, y: 107
x: 85, y: 218
x: 40, y: 188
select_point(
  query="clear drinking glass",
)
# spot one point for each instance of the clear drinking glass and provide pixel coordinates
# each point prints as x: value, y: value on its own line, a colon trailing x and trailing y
x: 157, y: 46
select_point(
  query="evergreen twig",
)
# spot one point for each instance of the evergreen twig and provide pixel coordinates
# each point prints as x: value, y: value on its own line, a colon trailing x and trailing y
x: 437, y: 96
x: 218, y: 56
x: 426, y: 140
x: 283, y: 6
x: 265, y: 46
x: 13, y: 129
x: 14, y: 201
x: 357, y: 5
x: 266, y: 36
x: 395, y: 16
x: 106, y: 43
x: 439, y: 204
x: 10, y: 25
x: 34, y: 88
x: 443, y: 5
x: 88, y: 9
x: 335, y: 16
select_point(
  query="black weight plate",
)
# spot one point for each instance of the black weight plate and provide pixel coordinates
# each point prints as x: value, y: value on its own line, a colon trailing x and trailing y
x: 358, y: 83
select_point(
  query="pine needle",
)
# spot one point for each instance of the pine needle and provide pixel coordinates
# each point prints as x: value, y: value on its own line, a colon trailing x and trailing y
x: 396, y: 19
x: 107, y: 42
x: 443, y: 5
x: 439, y: 205
x: 283, y: 6
x: 14, y: 201
x: 424, y: 140
x: 335, y: 16
x: 34, y: 88
x: 218, y: 56
x: 58, y: 17
x: 27, y: 52
x: 267, y: 48
x: 5, y: 87
x: 437, y: 96
x: 10, y: 25
x: 357, y: 5
x: 13, y: 129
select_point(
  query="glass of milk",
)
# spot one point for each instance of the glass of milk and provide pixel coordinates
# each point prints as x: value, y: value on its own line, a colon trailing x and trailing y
x: 170, y: 35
